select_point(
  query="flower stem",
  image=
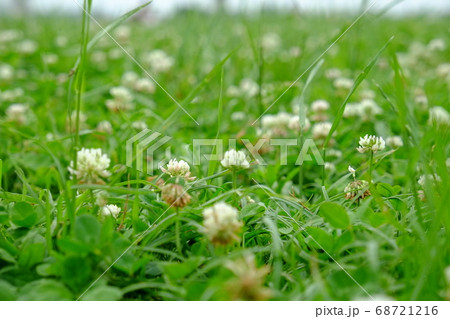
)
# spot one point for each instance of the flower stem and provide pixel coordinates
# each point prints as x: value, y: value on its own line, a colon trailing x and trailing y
x: 370, y: 167
x: 234, y: 179
x: 177, y: 231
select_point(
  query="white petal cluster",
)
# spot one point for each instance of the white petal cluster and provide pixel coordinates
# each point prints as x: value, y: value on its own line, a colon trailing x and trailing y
x: 129, y: 79
x: 247, y: 88
x: 16, y: 113
x: 430, y: 177
x: 437, y: 44
x: 10, y: 35
x: 439, y: 116
x: 122, y: 33
x: 145, y: 85
x: 333, y: 73
x: 343, y: 83
x: 221, y: 223
x: 276, y: 124
x: 11, y: 95
x: 352, y: 171
x: 367, y: 109
x: 294, y: 124
x: 110, y: 210
x: 91, y: 166
x: 159, y: 61
x: 394, y: 141
x: 371, y: 143
x: 132, y: 81
x: 319, y: 109
x: 321, y: 130
x: 6, y: 72
x: 105, y: 127
x: 177, y: 168
x: 122, y: 99
x: 235, y: 159
x: 139, y: 125
x: 27, y: 46
x: 320, y: 106
x: 270, y: 42
x: 443, y: 71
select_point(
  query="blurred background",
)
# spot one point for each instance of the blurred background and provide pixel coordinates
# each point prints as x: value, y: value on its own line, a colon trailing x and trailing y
x: 167, y: 7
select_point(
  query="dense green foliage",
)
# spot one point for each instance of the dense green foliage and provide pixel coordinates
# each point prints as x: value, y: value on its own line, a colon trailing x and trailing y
x: 309, y: 241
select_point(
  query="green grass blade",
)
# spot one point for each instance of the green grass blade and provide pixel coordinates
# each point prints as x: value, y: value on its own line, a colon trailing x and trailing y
x: 194, y: 92
x: 358, y: 81
x: 110, y: 27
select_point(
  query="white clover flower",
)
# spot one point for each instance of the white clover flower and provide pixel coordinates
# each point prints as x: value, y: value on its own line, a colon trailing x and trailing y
x: 270, y: 42
x: 343, y: 83
x: 110, y: 210
x: 369, y: 109
x: 105, y: 127
x: 320, y: 106
x: 421, y: 100
x: 430, y: 177
x: 443, y: 70
x: 295, y: 52
x: 235, y: 160
x: 6, y: 72
x: 98, y: 58
x: 352, y: 110
x: 129, y: 79
x: 276, y: 124
x: 50, y: 58
x: 9, y: 35
x: 238, y: 116
x: 371, y: 143
x: 321, y: 130
x: 178, y: 169
x: 101, y: 198
x: 16, y: 113
x: 248, y: 87
x: 91, y: 166
x: 437, y: 45
x: 145, y: 85
x: 330, y: 167
x: 233, y: 91
x: 249, y: 281
x: 61, y: 41
x: 367, y: 94
x: 11, y: 95
x: 159, y: 61
x: 122, y: 99
x: 221, y: 224
x: 394, y: 141
x: 439, y: 116
x: 333, y: 73
x: 122, y: 33
x: 357, y: 189
x: 115, y: 53
x: 352, y: 171
x: 139, y: 125
x: 27, y: 46
x: 294, y: 124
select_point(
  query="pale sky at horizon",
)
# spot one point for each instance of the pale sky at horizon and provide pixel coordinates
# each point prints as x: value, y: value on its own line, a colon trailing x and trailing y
x: 118, y: 7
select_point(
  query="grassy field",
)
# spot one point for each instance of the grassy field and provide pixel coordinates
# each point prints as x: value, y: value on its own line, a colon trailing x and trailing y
x: 346, y: 224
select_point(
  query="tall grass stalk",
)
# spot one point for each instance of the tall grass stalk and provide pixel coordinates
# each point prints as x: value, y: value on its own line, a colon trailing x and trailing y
x: 80, y: 75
